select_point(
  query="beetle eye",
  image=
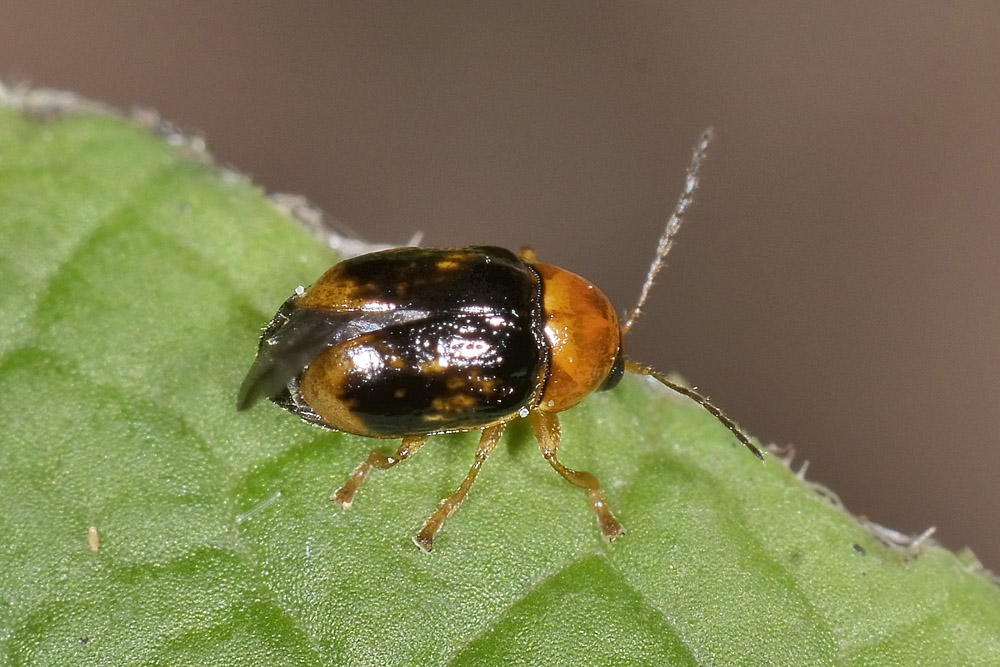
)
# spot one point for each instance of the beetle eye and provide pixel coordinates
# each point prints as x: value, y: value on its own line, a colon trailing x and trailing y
x: 615, y: 375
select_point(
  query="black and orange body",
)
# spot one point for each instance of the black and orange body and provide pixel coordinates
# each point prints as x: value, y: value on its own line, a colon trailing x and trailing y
x: 411, y: 342
x: 415, y: 341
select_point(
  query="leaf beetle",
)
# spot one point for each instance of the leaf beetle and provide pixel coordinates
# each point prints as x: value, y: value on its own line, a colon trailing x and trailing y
x: 412, y: 342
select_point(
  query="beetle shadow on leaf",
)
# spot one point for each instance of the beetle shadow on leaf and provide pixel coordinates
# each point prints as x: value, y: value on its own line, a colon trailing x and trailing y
x: 518, y: 438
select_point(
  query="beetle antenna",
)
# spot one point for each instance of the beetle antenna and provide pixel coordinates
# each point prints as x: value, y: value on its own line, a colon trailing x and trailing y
x: 642, y: 369
x: 673, y: 224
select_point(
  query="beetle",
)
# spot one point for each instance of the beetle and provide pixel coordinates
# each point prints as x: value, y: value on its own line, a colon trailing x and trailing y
x: 412, y: 342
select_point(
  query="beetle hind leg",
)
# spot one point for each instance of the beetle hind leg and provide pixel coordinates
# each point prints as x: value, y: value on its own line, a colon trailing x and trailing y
x: 546, y: 428
x: 487, y: 442
x: 376, y: 459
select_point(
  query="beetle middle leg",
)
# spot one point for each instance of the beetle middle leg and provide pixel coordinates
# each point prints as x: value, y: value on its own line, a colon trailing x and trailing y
x: 547, y: 431
x: 487, y: 442
x: 376, y: 459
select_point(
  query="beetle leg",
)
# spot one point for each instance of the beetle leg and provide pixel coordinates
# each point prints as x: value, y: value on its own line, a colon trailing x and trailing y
x: 546, y: 427
x: 487, y: 442
x: 376, y: 459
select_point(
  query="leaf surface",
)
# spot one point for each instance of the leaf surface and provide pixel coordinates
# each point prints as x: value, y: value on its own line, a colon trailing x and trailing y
x: 134, y: 281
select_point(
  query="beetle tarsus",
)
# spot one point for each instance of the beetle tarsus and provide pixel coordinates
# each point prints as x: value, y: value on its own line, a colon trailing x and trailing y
x: 425, y: 542
x: 610, y: 526
x: 344, y: 496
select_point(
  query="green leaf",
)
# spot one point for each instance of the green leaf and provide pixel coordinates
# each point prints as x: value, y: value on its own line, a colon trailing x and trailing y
x: 134, y: 281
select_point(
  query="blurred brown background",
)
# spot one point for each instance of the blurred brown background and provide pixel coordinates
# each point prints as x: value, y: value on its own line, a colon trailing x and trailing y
x: 836, y: 285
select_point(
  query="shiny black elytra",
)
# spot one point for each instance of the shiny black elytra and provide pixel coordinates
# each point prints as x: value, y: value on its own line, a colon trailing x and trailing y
x: 431, y: 350
x: 411, y: 342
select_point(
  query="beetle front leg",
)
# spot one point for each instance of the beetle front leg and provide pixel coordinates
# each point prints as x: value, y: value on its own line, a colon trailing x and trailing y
x: 376, y: 459
x: 546, y: 428
x: 487, y: 442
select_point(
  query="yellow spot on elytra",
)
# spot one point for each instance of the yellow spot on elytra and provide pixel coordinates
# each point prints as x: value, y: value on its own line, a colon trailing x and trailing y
x: 453, y: 403
x: 433, y: 367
